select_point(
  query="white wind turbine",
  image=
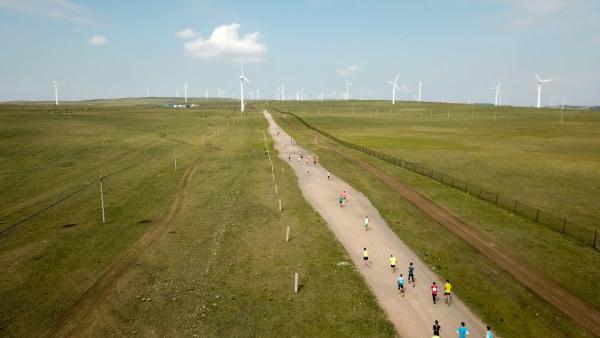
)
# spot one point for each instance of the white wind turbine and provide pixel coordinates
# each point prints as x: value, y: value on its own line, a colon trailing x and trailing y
x: 55, y: 85
x: 498, y: 92
x: 242, y: 79
x: 348, y: 84
x: 394, y: 84
x: 539, y: 88
x: 185, y: 87
x: 420, y: 86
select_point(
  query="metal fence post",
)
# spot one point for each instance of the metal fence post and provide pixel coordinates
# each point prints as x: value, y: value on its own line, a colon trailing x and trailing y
x: 595, y: 237
x: 515, y: 207
x: 537, y: 214
x: 564, y: 225
x: 497, y: 195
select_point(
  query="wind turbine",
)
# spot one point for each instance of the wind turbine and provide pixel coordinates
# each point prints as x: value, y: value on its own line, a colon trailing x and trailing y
x: 55, y: 85
x: 242, y: 79
x: 420, y: 85
x: 539, y: 88
x: 257, y: 94
x: 348, y: 84
x: 394, y: 84
x: 498, y: 93
x: 185, y: 87
x: 206, y: 94
x: 147, y: 92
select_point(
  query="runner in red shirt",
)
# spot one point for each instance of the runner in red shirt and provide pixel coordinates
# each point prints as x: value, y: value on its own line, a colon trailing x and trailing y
x: 434, y: 292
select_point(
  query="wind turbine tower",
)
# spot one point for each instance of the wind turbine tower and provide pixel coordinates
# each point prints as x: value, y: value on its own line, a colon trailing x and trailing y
x: 498, y: 92
x: 420, y: 86
x: 55, y: 85
x: 348, y: 84
x: 394, y: 84
x: 242, y: 79
x: 539, y: 88
x: 185, y: 87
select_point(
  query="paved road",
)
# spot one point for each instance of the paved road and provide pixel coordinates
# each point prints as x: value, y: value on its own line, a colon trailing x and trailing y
x: 412, y: 315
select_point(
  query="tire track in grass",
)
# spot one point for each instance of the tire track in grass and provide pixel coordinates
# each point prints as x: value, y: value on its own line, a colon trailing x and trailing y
x: 84, y: 311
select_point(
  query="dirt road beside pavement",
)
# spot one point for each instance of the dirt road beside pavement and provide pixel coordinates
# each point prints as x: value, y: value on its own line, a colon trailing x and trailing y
x: 414, y: 314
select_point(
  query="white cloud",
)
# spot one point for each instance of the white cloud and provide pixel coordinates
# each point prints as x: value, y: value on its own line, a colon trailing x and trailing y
x: 187, y: 33
x: 97, y: 40
x: 225, y: 41
x: 55, y: 9
x: 348, y: 70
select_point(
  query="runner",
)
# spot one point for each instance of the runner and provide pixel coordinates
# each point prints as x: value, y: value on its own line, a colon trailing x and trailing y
x: 366, y: 223
x: 366, y: 257
x: 344, y: 195
x: 315, y: 162
x: 328, y: 176
x: 436, y: 328
x: 462, y: 331
x: 393, y: 261
x: 447, y: 292
x: 401, y: 284
x: 488, y: 333
x: 308, y: 172
x: 434, y: 292
x: 411, y: 273
x: 341, y: 201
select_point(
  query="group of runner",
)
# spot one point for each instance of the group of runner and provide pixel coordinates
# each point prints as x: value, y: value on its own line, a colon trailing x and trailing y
x: 309, y: 159
x: 462, y: 331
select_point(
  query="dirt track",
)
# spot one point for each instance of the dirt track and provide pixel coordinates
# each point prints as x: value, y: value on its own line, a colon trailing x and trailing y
x: 412, y: 315
x: 82, y: 313
x: 572, y: 306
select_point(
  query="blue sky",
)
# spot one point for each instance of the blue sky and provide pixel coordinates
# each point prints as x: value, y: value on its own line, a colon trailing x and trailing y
x: 458, y: 49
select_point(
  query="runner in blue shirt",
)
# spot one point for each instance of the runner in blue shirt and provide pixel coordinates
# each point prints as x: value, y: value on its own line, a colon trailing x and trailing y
x: 462, y: 331
x: 401, y: 284
x: 488, y: 333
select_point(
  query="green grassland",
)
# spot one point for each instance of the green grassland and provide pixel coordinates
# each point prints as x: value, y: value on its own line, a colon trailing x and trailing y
x: 491, y: 292
x: 224, y: 269
x: 523, y: 153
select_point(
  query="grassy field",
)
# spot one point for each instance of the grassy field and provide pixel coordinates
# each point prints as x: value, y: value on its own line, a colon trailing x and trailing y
x: 487, y: 289
x: 523, y: 153
x: 223, y: 270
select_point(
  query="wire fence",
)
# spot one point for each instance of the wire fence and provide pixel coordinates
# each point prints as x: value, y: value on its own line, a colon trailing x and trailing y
x: 560, y: 224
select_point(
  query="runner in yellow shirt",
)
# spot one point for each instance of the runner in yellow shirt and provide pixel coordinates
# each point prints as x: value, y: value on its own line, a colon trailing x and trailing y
x: 448, y: 292
x: 366, y: 257
x: 393, y: 261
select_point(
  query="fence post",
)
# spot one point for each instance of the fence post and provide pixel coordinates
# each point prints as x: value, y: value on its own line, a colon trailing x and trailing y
x: 102, y: 200
x: 515, y: 207
x: 595, y: 237
x: 275, y: 189
x: 280, y: 205
x: 564, y: 225
x: 497, y: 195
x: 537, y: 214
x: 287, y: 234
x: 174, y: 158
x: 296, y: 282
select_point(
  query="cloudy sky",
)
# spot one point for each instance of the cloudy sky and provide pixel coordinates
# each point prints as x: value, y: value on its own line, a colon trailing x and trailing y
x: 457, y: 48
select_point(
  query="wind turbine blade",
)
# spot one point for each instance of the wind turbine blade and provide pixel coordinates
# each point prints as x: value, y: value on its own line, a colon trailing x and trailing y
x: 396, y: 78
x: 537, y: 77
